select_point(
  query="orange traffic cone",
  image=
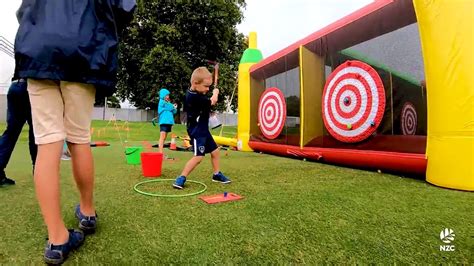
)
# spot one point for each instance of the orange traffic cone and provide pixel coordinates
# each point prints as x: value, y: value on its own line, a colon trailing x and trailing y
x: 173, y: 142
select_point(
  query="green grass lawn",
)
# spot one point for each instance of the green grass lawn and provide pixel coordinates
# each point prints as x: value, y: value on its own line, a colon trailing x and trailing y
x: 293, y: 212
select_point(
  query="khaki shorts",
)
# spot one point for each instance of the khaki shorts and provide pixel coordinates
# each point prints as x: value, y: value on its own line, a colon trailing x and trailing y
x: 61, y: 110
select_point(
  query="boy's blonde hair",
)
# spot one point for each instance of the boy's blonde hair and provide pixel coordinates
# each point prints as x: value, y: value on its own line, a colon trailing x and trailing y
x: 199, y: 74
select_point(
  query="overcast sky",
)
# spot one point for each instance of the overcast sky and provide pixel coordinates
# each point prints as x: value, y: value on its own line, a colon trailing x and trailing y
x: 8, y: 27
x: 278, y: 23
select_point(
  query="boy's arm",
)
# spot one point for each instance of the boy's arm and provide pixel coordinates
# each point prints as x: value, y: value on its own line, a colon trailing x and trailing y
x: 215, y: 95
x: 170, y: 107
x: 203, y: 103
x: 166, y: 106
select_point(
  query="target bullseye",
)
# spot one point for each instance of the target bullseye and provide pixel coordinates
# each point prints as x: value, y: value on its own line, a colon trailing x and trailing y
x: 408, y: 121
x: 347, y: 101
x: 353, y: 102
x: 271, y: 113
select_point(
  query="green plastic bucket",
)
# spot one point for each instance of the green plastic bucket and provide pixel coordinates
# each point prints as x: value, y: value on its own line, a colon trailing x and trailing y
x: 133, y: 154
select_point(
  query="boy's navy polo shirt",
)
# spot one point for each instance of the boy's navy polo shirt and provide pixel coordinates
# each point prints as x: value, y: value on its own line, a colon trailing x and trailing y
x: 197, y: 107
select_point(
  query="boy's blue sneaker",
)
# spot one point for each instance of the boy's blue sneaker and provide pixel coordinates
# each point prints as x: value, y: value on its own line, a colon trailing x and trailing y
x: 57, y: 254
x: 221, y: 178
x: 179, y: 183
x: 88, y: 224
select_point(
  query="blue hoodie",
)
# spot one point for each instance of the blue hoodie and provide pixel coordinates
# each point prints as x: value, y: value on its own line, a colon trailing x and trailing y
x: 166, y: 110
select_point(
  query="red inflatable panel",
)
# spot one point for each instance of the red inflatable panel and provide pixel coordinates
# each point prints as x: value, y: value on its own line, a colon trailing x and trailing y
x: 409, y: 163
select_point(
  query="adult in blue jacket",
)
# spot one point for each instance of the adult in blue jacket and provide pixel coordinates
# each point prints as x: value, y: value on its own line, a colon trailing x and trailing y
x: 18, y: 113
x: 67, y: 51
x: 166, y: 112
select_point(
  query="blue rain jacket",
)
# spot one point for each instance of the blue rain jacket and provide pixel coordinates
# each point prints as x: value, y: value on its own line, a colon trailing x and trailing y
x: 71, y: 40
x: 166, y: 109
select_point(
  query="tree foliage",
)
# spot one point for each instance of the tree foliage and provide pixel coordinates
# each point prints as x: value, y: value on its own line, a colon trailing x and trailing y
x: 167, y: 40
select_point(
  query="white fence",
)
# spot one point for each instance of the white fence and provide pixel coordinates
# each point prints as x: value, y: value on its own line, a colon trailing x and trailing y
x: 227, y: 119
x: 124, y: 114
x: 3, y: 108
x: 138, y: 115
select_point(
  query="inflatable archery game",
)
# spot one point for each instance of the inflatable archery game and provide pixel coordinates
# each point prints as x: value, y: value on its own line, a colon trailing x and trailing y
x: 388, y: 87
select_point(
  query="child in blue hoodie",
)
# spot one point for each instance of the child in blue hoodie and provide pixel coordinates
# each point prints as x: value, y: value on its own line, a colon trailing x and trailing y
x: 166, y: 111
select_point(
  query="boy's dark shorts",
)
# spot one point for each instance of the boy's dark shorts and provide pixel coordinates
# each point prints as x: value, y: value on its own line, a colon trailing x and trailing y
x: 203, y: 144
x: 165, y: 128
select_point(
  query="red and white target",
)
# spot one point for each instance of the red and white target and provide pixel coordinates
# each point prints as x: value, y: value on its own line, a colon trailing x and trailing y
x: 353, y: 102
x: 271, y: 113
x: 409, y: 119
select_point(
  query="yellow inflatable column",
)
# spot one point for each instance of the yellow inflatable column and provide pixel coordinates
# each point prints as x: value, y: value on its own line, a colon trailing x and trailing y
x: 446, y: 32
x: 250, y: 57
x: 311, y: 91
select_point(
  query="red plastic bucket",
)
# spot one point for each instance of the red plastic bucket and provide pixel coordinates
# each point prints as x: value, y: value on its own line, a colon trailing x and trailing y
x: 151, y: 163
